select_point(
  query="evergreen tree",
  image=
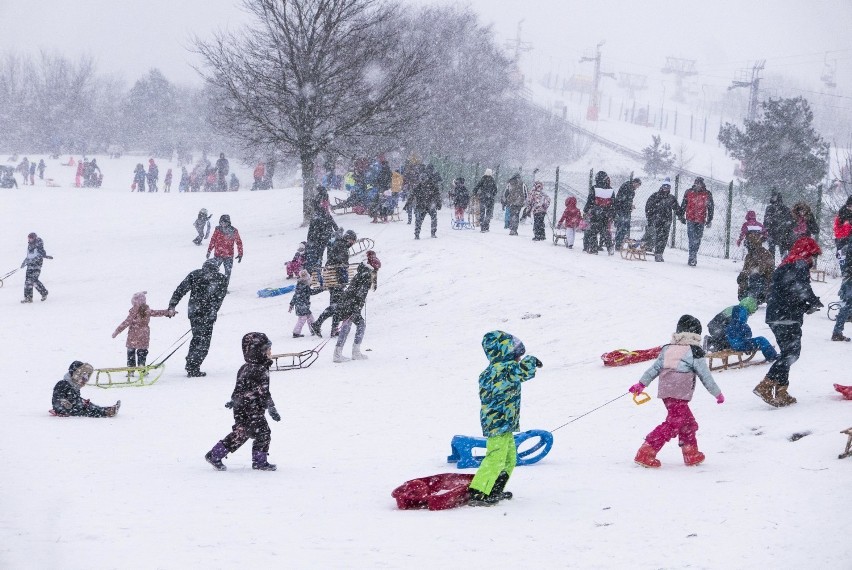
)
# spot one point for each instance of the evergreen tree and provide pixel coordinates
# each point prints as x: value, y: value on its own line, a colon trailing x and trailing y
x: 658, y: 157
x: 780, y: 149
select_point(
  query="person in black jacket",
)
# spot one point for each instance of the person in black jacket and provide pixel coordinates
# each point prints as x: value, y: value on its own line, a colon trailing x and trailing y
x: 622, y: 207
x: 207, y: 289
x: 485, y: 190
x: 778, y: 222
x: 790, y: 297
x: 659, y: 211
x: 250, y: 400
x: 67, y: 400
x: 338, y: 258
x: 222, y: 169
x: 348, y: 310
x: 320, y: 230
x: 35, y: 257
x: 426, y: 199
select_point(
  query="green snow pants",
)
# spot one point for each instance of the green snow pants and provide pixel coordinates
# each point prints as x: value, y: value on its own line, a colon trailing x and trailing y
x: 500, y: 455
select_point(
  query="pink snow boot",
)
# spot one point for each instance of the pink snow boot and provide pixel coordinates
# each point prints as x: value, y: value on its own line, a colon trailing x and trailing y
x: 647, y: 456
x: 691, y: 455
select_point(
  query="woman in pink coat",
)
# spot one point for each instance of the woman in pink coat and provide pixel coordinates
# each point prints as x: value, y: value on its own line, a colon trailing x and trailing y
x: 139, y: 333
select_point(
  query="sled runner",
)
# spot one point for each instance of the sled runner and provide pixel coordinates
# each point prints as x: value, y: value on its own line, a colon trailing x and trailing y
x: 274, y: 292
x: 818, y: 275
x: 634, y: 250
x: 8, y: 275
x: 362, y: 245
x: 731, y: 359
x: 436, y: 493
x: 137, y: 376
x: 296, y: 360
x: 846, y: 452
x: 347, y: 209
x: 462, y: 447
x: 833, y: 309
x: 622, y: 356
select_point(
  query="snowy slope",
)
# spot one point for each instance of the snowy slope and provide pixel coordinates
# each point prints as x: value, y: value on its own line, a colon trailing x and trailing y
x: 135, y: 492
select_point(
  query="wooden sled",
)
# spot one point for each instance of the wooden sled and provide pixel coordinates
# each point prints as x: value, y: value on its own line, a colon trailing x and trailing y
x: 330, y: 276
x: 362, y: 245
x: 818, y: 275
x: 296, y: 360
x: 731, y: 359
x: 634, y: 250
x: 559, y: 234
x: 128, y: 376
x: 848, y: 451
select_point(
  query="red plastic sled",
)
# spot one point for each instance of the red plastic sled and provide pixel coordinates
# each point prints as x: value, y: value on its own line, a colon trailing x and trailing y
x: 845, y: 391
x: 436, y: 493
x: 623, y: 357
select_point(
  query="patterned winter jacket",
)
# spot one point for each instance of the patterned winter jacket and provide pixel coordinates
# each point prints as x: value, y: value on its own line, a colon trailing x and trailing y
x: 138, y: 322
x: 500, y: 384
x: 251, y: 396
x: 677, y: 367
x: 537, y: 201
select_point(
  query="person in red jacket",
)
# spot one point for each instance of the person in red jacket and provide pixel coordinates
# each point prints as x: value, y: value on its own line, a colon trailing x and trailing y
x: 570, y: 220
x: 222, y: 245
x: 697, y: 214
x: 843, y: 233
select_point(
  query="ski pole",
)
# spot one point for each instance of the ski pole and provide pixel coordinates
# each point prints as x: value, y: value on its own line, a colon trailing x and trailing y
x: 637, y: 398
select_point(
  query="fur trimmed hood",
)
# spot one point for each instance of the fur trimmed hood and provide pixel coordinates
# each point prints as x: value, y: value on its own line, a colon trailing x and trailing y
x: 687, y: 338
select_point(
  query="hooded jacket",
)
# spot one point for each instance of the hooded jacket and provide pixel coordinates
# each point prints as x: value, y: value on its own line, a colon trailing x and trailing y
x: 485, y: 190
x: 224, y: 238
x: 790, y: 295
x: 677, y: 365
x: 500, y: 383
x: 751, y: 225
x: 137, y: 323
x: 572, y: 215
x: 251, y: 396
x: 207, y: 289
x: 660, y: 207
x: 35, y: 254
x: 697, y: 205
x: 354, y: 297
x: 778, y: 221
x: 301, y: 300
x: 538, y: 202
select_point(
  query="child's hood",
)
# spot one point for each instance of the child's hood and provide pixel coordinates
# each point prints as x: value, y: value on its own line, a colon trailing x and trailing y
x: 501, y: 346
x: 254, y: 347
x: 571, y: 202
x: 138, y: 299
x: 751, y: 216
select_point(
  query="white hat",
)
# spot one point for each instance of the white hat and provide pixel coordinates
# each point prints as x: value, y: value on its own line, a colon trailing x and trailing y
x: 667, y: 181
x: 488, y: 172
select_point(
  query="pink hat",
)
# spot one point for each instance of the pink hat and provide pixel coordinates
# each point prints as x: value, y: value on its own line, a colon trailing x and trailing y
x: 139, y: 298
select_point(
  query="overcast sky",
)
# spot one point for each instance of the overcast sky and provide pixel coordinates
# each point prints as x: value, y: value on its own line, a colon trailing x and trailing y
x: 129, y: 37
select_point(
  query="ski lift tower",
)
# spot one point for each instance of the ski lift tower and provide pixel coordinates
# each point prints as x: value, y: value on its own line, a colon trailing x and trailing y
x: 595, y: 97
x: 753, y: 85
x: 680, y: 68
x: 517, y: 47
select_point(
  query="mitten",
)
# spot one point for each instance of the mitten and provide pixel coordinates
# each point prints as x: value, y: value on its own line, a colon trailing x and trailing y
x: 637, y: 388
x: 291, y: 309
x: 720, y: 399
x: 538, y: 363
x: 273, y: 413
x: 24, y: 264
x: 229, y: 404
x: 707, y: 225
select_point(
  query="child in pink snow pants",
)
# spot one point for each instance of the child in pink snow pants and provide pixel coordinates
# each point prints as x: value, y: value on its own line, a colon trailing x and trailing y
x: 677, y: 366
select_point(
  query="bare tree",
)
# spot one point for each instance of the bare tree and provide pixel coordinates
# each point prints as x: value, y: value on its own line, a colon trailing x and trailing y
x: 314, y: 75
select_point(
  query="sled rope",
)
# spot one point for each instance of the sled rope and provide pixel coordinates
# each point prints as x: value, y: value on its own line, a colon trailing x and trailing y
x: 589, y: 412
x: 158, y: 362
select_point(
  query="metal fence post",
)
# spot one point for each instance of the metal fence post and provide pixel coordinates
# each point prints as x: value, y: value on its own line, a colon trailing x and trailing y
x: 674, y: 218
x: 728, y: 220
x: 818, y: 209
x: 555, y: 196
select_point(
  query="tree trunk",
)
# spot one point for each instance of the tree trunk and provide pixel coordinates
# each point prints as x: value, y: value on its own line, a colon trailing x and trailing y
x: 308, y: 185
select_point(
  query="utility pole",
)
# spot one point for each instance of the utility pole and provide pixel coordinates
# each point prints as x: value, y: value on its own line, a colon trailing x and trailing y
x: 595, y: 96
x: 518, y: 47
x: 753, y: 85
x: 680, y: 68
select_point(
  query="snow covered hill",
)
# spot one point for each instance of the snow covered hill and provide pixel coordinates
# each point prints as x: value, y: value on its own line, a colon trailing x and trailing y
x: 135, y: 491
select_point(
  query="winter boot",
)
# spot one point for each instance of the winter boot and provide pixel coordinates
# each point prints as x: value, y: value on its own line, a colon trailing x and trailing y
x: 259, y: 462
x: 782, y: 398
x: 658, y: 257
x: 691, y: 455
x: 27, y: 300
x: 44, y: 297
x: 647, y: 456
x: 500, y: 484
x: 766, y: 391
x: 356, y: 353
x: 215, y: 456
x: 194, y: 373
x: 111, y: 411
x: 479, y: 499
x: 297, y: 335
x: 838, y: 337
x: 338, y: 354
x: 316, y: 328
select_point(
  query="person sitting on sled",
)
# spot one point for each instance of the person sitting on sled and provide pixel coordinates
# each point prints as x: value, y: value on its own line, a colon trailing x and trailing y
x: 500, y: 414
x: 250, y: 400
x: 717, y: 327
x: 294, y: 266
x: 677, y: 366
x: 738, y: 335
x: 66, y: 395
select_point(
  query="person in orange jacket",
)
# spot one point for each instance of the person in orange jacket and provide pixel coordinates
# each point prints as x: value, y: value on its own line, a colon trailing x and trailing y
x: 222, y: 245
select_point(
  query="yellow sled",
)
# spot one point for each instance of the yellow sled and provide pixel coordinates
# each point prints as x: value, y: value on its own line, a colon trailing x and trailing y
x: 128, y: 376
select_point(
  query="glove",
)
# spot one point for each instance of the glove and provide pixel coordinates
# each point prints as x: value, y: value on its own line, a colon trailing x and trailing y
x: 171, y: 312
x: 273, y: 413
x: 538, y: 363
x: 208, y: 255
x: 229, y: 404
x: 637, y: 388
x: 291, y: 310
x: 24, y: 264
x: 113, y: 335
x: 707, y: 225
x: 239, y: 259
x: 720, y: 399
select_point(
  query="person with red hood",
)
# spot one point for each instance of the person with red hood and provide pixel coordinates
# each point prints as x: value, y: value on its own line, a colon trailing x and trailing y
x: 790, y: 297
x: 570, y: 220
x: 222, y: 245
x: 843, y: 233
x: 751, y: 225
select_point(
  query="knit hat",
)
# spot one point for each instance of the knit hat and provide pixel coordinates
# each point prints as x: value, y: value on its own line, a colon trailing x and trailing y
x: 689, y: 324
x: 667, y: 182
x: 373, y: 261
x: 601, y: 178
x: 139, y: 298
x: 224, y: 218
x: 489, y: 172
x: 74, y: 366
x: 749, y: 304
x: 32, y: 235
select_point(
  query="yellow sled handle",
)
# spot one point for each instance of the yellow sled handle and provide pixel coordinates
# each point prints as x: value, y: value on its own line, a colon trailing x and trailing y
x: 641, y: 398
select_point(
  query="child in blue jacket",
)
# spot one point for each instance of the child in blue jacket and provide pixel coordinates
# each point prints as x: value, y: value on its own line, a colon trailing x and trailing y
x: 739, y: 336
x: 499, y: 414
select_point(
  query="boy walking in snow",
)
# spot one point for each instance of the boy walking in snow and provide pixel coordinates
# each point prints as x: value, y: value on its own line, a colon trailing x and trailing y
x: 202, y: 226
x: 500, y: 413
x: 302, y: 302
x: 250, y: 401
x: 677, y: 366
x: 33, y: 261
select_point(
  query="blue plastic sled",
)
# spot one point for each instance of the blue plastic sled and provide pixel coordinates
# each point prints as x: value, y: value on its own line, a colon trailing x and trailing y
x: 269, y: 292
x: 462, y: 448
